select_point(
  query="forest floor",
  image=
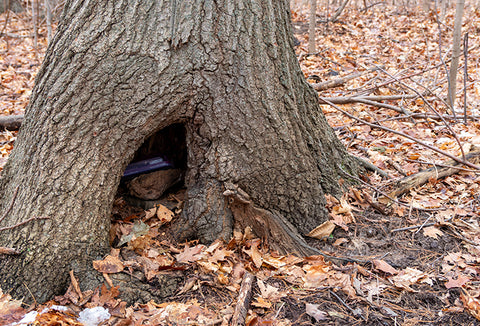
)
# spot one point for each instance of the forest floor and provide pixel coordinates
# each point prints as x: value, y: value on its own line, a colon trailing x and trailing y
x: 409, y: 258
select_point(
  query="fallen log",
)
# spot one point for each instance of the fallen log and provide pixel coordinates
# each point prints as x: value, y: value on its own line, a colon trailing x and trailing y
x: 243, y: 301
x: 11, y: 122
x: 340, y: 81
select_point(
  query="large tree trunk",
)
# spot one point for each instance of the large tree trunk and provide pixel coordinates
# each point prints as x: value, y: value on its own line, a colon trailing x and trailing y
x: 118, y: 71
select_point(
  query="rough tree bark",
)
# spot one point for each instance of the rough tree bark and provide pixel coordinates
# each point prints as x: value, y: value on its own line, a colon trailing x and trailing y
x: 118, y: 71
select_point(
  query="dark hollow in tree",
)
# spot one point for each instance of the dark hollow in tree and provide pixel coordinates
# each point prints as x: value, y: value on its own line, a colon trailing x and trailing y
x: 259, y: 150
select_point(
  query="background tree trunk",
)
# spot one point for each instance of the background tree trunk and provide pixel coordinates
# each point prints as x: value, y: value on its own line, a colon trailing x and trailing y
x: 312, y: 26
x: 118, y: 71
x: 457, y: 40
x: 13, y: 5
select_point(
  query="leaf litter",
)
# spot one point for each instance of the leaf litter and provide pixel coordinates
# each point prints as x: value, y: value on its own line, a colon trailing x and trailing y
x: 414, y: 261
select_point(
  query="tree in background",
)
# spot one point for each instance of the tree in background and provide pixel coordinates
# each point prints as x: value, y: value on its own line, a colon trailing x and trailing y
x: 457, y: 40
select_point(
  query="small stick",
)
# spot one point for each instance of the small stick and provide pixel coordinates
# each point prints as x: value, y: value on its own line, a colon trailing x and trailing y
x: 418, y: 226
x: 396, y: 166
x: 279, y: 309
x: 33, y: 297
x: 412, y: 227
x: 453, y: 133
x: 339, y: 81
x: 374, y: 98
x: 424, y: 223
x: 243, y: 302
x: 346, y: 306
x: 375, y: 204
x: 433, y: 148
x: 442, y: 165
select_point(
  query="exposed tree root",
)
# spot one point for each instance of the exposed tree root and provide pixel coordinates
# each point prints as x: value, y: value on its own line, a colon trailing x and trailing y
x: 271, y: 226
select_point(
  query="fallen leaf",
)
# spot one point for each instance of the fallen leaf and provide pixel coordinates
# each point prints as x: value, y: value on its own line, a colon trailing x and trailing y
x: 164, y: 214
x: 255, y: 255
x: 409, y: 276
x: 322, y: 231
x: 261, y: 303
x: 268, y: 292
x: 10, y: 310
x: 316, y: 275
x: 138, y: 229
x: 432, y: 232
x: 108, y: 265
x: 190, y: 254
x: 313, y: 311
x: 383, y: 266
x: 460, y: 281
x: 339, y: 242
x: 471, y: 303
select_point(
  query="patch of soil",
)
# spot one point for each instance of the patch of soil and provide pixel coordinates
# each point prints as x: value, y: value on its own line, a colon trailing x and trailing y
x: 371, y: 237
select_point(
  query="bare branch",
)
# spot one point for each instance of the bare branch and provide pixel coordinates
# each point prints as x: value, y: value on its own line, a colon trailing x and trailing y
x: 462, y: 161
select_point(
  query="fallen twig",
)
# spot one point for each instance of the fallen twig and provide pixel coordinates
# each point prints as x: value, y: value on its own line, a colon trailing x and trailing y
x: 371, y: 167
x: 340, y: 81
x: 358, y: 98
x: 354, y: 312
x: 243, y: 301
x: 459, y: 160
x: 413, y: 227
x: 384, y: 105
x: 11, y: 35
x: 431, y: 108
x: 424, y: 176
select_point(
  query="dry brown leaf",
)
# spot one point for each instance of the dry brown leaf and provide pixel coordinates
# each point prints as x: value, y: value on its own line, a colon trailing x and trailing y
x: 269, y: 292
x: 75, y: 285
x: 255, y: 255
x: 150, y: 213
x: 190, y: 254
x: 471, y: 303
x: 432, y: 232
x: 460, y: 281
x: 108, y: 265
x: 10, y: 310
x: 164, y: 214
x: 339, y: 242
x: 316, y: 275
x: 322, y: 231
x: 383, y: 266
x: 261, y: 303
x: 409, y: 276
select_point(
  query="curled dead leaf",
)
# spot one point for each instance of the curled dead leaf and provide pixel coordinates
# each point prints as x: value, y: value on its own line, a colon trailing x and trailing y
x: 322, y: 231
